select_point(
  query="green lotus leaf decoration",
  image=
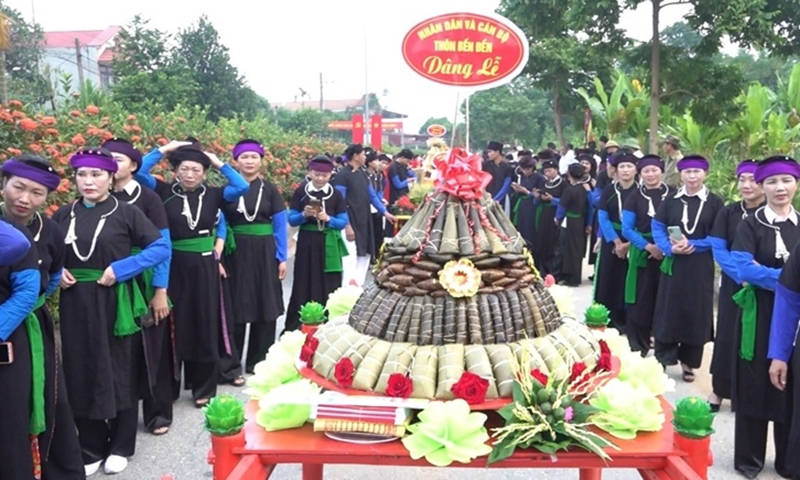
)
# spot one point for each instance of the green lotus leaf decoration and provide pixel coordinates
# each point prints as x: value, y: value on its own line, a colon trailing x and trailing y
x: 224, y: 415
x: 597, y: 315
x: 693, y: 418
x: 312, y: 313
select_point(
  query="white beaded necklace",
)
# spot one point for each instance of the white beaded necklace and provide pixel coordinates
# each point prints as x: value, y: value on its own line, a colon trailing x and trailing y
x: 329, y: 194
x: 243, y: 210
x: 685, y: 215
x: 781, y: 251
x: 651, y: 210
x: 619, y: 195
x: 187, y: 210
x: 71, y: 236
x: 138, y: 193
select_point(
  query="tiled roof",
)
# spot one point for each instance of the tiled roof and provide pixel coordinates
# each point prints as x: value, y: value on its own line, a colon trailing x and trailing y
x: 89, y: 38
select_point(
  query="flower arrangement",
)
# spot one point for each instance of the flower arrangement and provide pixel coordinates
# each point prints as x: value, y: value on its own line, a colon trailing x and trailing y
x: 342, y: 300
x: 312, y: 313
x: 546, y: 414
x: 224, y: 415
x: 692, y: 418
x: 419, y: 192
x: 460, y: 278
x: 625, y: 409
x: 279, y: 367
x: 597, y: 315
x: 404, y: 206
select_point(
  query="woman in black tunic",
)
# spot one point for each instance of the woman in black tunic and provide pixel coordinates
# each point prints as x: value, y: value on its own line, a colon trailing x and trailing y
x: 612, y: 267
x: 194, y: 284
x: 27, y: 180
x: 255, y: 255
x: 375, y: 175
x: 544, y: 219
x: 760, y: 249
x: 525, y: 184
x: 19, y: 286
x: 722, y: 235
x: 320, y: 212
x: 99, y: 305
x: 684, y: 313
x: 573, y: 217
x: 644, y: 257
x: 589, y: 163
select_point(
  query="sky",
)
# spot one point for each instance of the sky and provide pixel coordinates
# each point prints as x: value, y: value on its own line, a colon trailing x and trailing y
x: 282, y: 46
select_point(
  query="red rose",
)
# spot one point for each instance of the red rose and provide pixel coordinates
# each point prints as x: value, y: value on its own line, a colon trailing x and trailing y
x: 344, y: 372
x: 539, y: 376
x: 577, y: 370
x: 471, y: 388
x: 604, y: 347
x: 309, y: 348
x: 604, y: 362
x: 399, y: 386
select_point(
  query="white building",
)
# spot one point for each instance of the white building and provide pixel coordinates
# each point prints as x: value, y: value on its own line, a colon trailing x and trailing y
x: 89, y: 51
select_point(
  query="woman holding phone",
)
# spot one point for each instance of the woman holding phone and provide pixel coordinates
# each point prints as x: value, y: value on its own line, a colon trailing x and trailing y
x: 683, y: 320
x: 760, y: 249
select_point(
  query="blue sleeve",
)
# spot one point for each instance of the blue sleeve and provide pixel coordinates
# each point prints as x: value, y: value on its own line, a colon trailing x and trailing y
x: 281, y: 236
x: 222, y: 227
x: 342, y: 189
x: 596, y: 193
x: 142, y: 174
x: 555, y: 202
x: 785, y: 315
x: 398, y: 184
x: 609, y: 234
x: 661, y: 237
x: 161, y: 271
x: 55, y: 279
x: 750, y: 272
x: 701, y: 244
x: 376, y: 201
x: 589, y: 209
x: 24, y: 292
x: 237, y: 185
x: 295, y: 218
x: 338, y: 222
x: 503, y: 190
x: 561, y: 212
x: 629, y: 230
x: 150, y: 256
x: 723, y: 258
x: 412, y: 173
x: 13, y: 244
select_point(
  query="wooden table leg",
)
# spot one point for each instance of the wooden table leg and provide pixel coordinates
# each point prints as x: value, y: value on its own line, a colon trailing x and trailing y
x: 590, y: 473
x: 312, y: 471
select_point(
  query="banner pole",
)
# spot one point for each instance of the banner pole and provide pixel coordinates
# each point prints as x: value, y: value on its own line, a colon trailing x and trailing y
x: 466, y: 121
x: 455, y: 121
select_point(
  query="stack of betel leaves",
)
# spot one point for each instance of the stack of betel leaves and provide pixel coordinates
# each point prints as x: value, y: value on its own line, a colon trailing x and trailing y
x: 455, y: 291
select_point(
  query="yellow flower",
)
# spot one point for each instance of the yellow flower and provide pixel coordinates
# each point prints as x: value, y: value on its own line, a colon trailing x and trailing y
x: 637, y: 85
x: 460, y: 278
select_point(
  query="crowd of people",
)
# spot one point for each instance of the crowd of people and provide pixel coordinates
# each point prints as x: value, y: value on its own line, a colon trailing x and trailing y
x: 158, y: 281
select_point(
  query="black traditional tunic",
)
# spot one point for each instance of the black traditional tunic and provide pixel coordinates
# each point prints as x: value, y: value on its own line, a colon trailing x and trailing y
x: 400, y: 171
x: 685, y: 304
x: 641, y: 282
x: 502, y: 174
x: 16, y: 459
x: 524, y: 207
x: 724, y: 357
x: 101, y: 376
x: 376, y: 181
x: 544, y: 248
x: 753, y: 393
x: 612, y: 270
x: 355, y: 184
x: 315, y: 249
x: 576, y: 208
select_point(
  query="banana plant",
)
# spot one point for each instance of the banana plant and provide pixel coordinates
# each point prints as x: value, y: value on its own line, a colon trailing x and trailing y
x: 696, y: 138
x: 624, y: 113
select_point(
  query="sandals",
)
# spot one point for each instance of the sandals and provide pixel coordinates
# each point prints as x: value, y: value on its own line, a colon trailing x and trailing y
x: 201, y: 402
x: 238, y: 381
x: 160, y: 431
x: 688, y: 374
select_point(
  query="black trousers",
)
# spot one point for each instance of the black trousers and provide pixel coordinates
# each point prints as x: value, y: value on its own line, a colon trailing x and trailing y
x: 201, y: 378
x: 750, y: 445
x: 61, y: 458
x: 672, y: 353
x: 101, y: 438
x: 157, y: 399
x: 16, y: 460
x: 639, y: 337
x: 262, y: 336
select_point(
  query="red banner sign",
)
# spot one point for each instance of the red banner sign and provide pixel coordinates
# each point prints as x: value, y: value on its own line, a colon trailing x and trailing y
x: 376, y: 131
x: 436, y: 130
x: 348, y: 124
x: 358, y: 128
x: 466, y: 50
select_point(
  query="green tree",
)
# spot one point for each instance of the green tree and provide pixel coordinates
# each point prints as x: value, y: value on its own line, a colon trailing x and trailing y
x: 443, y: 121
x: 571, y: 42
x: 21, y: 56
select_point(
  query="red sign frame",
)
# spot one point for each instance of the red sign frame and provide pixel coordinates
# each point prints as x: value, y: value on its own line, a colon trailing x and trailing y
x: 477, y: 51
x: 436, y: 130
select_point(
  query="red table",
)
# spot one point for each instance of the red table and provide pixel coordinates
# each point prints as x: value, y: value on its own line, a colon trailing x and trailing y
x: 654, y: 455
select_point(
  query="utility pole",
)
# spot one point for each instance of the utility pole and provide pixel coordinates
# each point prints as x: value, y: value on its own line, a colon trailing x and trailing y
x: 79, y: 63
x: 367, y: 132
x: 321, y: 104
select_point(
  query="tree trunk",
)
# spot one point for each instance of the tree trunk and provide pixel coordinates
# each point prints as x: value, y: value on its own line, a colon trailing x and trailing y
x: 655, y: 91
x: 557, y: 116
x: 3, y: 87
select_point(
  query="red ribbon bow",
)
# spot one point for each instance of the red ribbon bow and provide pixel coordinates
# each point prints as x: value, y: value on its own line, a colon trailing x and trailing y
x: 460, y: 174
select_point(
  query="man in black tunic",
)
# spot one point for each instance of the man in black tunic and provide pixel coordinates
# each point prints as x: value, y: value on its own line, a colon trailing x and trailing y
x: 500, y: 170
x: 572, y: 217
x: 401, y: 177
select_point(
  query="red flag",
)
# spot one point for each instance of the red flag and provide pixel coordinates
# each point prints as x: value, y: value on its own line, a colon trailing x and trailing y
x: 376, y: 131
x: 358, y: 128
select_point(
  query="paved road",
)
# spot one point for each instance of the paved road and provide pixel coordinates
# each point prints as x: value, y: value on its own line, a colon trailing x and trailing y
x: 182, y: 452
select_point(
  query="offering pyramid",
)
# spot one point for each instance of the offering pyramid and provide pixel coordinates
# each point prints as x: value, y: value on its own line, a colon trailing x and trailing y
x: 455, y: 291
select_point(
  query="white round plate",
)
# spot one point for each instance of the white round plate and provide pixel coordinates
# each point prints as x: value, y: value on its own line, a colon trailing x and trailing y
x: 360, y: 438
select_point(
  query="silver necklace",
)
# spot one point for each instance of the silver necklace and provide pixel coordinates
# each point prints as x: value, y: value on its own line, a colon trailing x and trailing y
x: 781, y: 251
x: 137, y: 194
x: 651, y: 210
x: 685, y: 216
x: 554, y: 183
x: 329, y: 194
x: 744, y: 211
x: 71, y: 237
x: 38, y: 217
x: 243, y: 210
x: 187, y: 210
x: 619, y: 196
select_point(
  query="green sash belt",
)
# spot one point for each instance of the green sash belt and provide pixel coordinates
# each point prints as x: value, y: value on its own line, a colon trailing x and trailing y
x: 127, y: 309
x: 34, y: 329
x: 637, y: 258
x: 195, y: 245
x: 253, y: 229
x: 666, y: 265
x: 746, y: 299
x: 335, y: 248
x: 574, y: 215
x: 539, y: 209
x: 617, y: 226
x: 515, y: 210
x: 147, y: 280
